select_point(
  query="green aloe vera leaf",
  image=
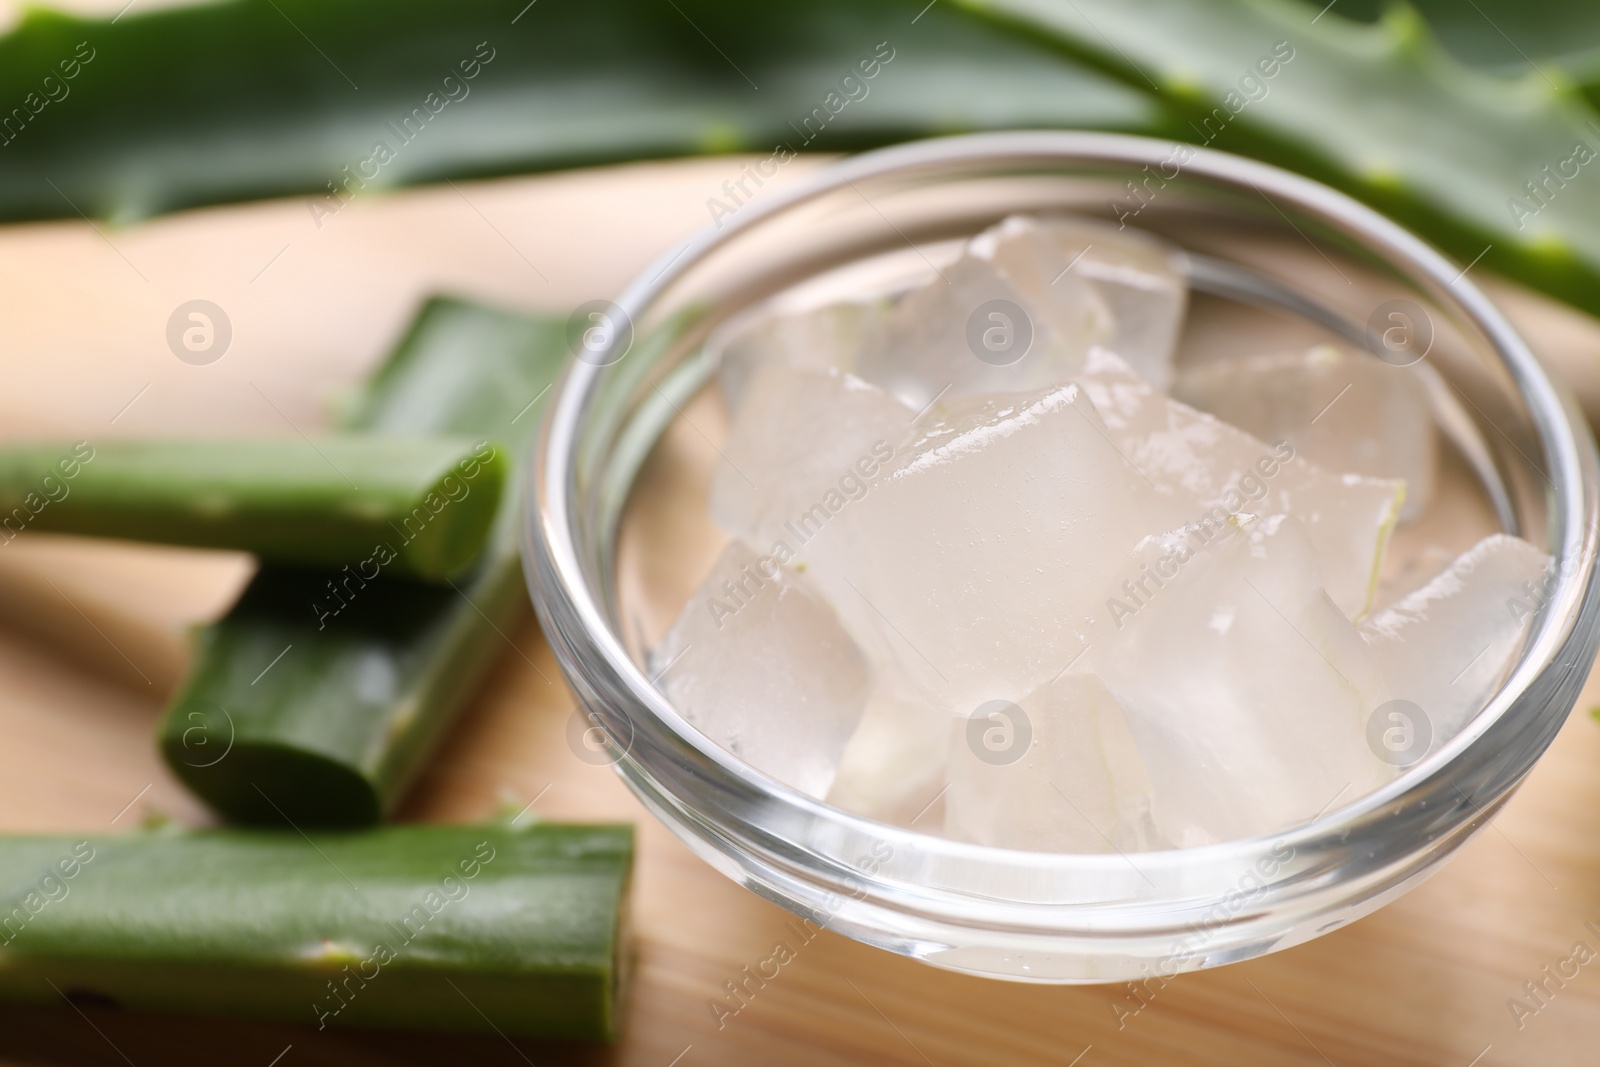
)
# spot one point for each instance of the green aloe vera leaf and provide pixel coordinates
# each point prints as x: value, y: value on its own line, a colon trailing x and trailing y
x: 1380, y: 111
x: 475, y: 928
x: 419, y: 506
x: 248, y: 98
x: 318, y: 696
x: 258, y: 97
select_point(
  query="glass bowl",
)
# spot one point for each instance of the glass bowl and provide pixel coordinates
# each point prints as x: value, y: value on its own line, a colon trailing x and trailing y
x: 607, y: 564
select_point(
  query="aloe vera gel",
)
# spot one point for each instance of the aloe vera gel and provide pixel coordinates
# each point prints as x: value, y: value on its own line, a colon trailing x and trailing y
x: 999, y: 566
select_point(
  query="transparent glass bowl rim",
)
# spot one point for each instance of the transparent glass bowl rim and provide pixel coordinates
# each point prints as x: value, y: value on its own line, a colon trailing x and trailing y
x: 549, y: 548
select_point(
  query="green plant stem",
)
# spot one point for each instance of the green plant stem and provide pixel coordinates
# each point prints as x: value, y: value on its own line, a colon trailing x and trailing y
x: 421, y: 506
x: 477, y: 928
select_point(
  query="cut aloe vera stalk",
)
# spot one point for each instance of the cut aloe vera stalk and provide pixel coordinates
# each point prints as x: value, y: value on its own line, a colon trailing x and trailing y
x: 419, y: 506
x: 478, y: 928
x: 318, y: 696
x: 1342, y: 410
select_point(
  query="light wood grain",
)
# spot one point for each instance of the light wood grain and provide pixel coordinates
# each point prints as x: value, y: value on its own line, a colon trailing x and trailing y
x: 91, y: 637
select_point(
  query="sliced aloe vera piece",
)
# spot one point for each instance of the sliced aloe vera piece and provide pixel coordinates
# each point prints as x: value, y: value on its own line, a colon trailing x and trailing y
x: 1342, y: 410
x: 1348, y: 518
x: 1245, y: 687
x: 318, y: 696
x: 894, y: 766
x: 480, y: 928
x: 1447, y: 646
x: 422, y: 507
x: 1056, y: 772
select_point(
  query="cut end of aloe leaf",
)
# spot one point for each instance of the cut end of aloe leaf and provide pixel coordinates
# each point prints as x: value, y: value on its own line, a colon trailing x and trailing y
x: 446, y: 530
x: 331, y: 687
x: 296, y: 707
x: 265, y: 784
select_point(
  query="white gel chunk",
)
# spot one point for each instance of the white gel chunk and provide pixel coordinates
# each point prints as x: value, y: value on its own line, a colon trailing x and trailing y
x: 1348, y: 517
x: 1139, y: 278
x: 972, y: 558
x: 759, y: 664
x: 893, y: 768
x: 1056, y: 772
x: 973, y: 331
x: 803, y: 444
x: 1446, y: 647
x: 1344, y: 411
x: 831, y: 337
x: 1246, y: 689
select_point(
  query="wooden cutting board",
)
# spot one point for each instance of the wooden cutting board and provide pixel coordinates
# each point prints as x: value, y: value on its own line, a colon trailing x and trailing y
x: 91, y: 640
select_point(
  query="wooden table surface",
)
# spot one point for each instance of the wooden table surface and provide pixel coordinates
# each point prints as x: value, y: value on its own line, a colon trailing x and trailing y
x: 92, y: 639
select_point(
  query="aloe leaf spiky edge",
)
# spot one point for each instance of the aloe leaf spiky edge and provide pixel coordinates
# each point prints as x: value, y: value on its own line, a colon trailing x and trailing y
x: 1380, y: 111
x: 1504, y: 37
